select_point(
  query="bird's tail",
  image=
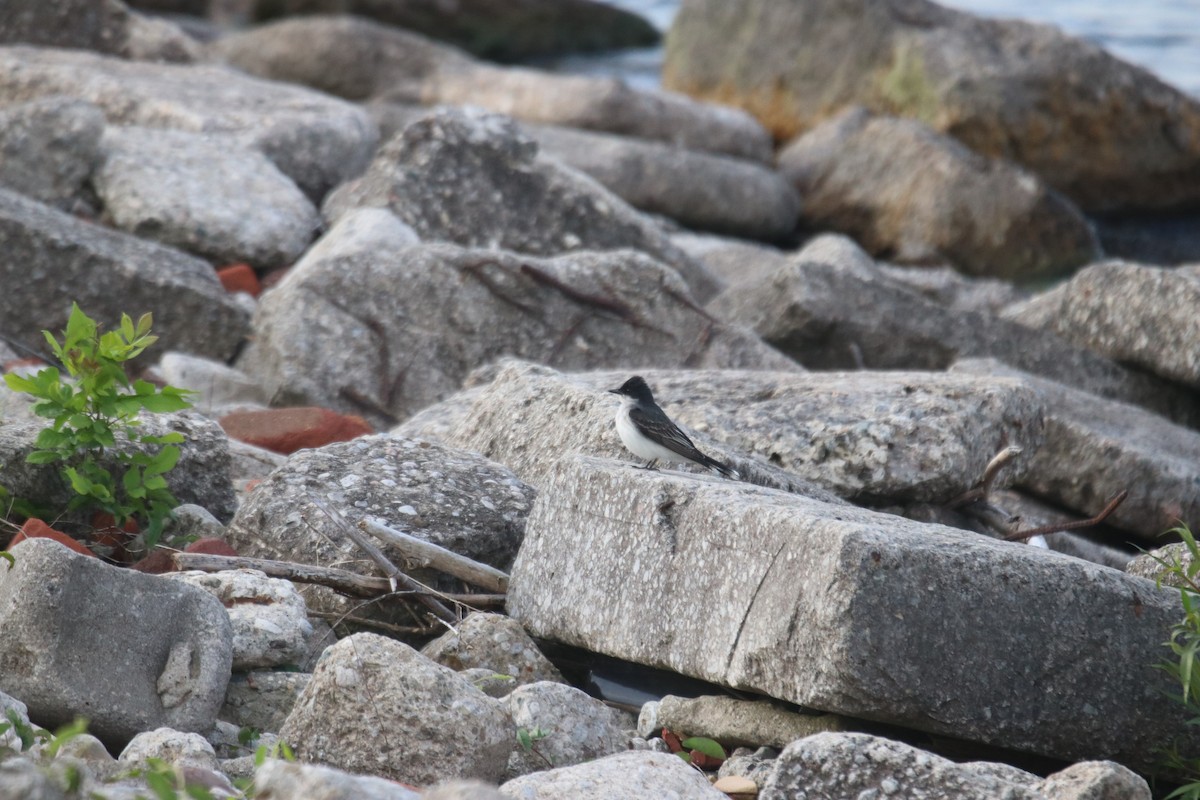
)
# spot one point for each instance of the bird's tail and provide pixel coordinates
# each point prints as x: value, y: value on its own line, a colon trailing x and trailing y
x: 721, y: 467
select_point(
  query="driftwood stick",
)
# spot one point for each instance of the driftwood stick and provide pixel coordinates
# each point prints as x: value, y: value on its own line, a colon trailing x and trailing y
x: 983, y: 489
x: 426, y: 554
x: 366, y: 622
x: 341, y: 580
x: 399, y: 579
x: 1070, y: 526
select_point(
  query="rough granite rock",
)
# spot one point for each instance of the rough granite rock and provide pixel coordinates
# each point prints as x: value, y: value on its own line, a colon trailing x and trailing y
x: 49, y: 147
x: 738, y: 723
x: 850, y: 611
x: 371, y: 323
x: 452, y: 498
x: 205, y: 194
x: 519, y: 201
x: 51, y: 259
x: 831, y: 307
x: 911, y: 194
x: 378, y: 707
x: 284, y: 780
x: 1095, y: 780
x: 107, y: 26
x: 170, y: 746
x: 218, y: 388
x: 316, y: 140
x: 731, y: 260
x: 270, y: 626
x: 159, y: 654
x: 262, y: 700
x: 494, y: 642
x: 358, y: 59
x: 867, y: 436
x: 1109, y: 135
x: 700, y: 190
x: 1095, y: 448
x: 577, y: 727
x: 1132, y: 313
x: 632, y: 774
x: 830, y: 765
x: 201, y: 475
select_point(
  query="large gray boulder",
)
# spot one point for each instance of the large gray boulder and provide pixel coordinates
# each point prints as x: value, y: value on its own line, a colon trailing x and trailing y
x: 49, y: 260
x: 914, y: 195
x: 378, y: 707
x: 705, y: 191
x: 455, y: 499
x: 358, y: 59
x: 1133, y: 313
x: 1095, y: 448
x: 850, y: 611
x: 279, y: 778
x: 204, y: 194
x: 518, y: 200
x: 1109, y: 135
x: 494, y: 642
x: 316, y: 140
x: 372, y: 323
x: 49, y: 147
x: 633, y: 774
x: 866, y: 436
x: 831, y: 307
x: 201, y: 476
x: 577, y: 727
x: 130, y: 652
x: 836, y: 765
x: 106, y: 26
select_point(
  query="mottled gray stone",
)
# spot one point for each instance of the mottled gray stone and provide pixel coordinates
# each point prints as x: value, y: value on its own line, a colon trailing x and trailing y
x: 270, y: 626
x: 699, y: 190
x: 738, y: 723
x: 868, y: 436
x: 218, y: 388
x: 205, y: 194
x: 379, y: 707
x: 1095, y: 780
x: 201, y: 476
x: 463, y: 790
x: 9, y: 737
x: 914, y: 195
x: 159, y: 655
x: 22, y: 779
x: 286, y: 779
x: 370, y: 323
x: 107, y: 26
x: 1110, y: 135
x: 836, y: 765
x: 316, y: 140
x: 51, y: 259
x: 850, y: 611
x: 262, y: 700
x: 950, y: 288
x: 495, y: 642
x: 831, y: 308
x: 519, y: 201
x: 731, y: 260
x: 358, y: 59
x: 632, y: 774
x: 49, y: 147
x: 170, y: 746
x: 577, y: 727
x: 1146, y: 565
x: 455, y: 499
x: 1135, y: 314
x: 1095, y: 448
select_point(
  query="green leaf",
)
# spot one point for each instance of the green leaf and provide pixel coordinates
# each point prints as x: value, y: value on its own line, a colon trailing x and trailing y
x: 708, y: 747
x: 9, y: 557
x: 163, y: 403
x: 19, y: 383
x: 42, y: 457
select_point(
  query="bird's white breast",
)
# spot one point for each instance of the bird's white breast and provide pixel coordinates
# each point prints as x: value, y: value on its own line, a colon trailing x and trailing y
x: 638, y: 444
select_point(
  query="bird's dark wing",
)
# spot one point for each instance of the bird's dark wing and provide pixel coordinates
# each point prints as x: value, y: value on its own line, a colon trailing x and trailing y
x: 658, y: 427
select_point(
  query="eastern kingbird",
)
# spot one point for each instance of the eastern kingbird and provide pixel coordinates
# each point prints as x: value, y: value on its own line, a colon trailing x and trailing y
x: 650, y: 434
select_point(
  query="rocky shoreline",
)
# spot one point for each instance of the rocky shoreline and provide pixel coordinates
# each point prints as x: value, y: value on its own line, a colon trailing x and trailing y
x: 860, y: 256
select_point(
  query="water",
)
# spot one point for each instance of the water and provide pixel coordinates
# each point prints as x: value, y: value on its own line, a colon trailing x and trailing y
x: 1161, y: 35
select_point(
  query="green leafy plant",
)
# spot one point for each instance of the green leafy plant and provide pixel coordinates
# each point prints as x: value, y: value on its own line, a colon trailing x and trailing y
x: 93, y: 404
x: 167, y: 782
x: 1184, y: 644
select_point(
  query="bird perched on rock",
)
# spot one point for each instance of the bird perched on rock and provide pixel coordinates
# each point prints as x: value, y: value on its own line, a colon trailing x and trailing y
x: 650, y: 434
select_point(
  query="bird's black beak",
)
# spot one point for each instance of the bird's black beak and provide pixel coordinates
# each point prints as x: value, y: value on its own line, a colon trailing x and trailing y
x: 614, y: 391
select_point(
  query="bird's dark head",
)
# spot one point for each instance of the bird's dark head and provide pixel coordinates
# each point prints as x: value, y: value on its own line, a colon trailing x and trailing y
x: 636, y: 389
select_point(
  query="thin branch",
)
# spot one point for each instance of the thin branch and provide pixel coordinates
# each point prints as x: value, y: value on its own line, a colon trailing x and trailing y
x: 983, y: 489
x: 1071, y: 526
x: 340, y: 580
x: 399, y: 630
x: 427, y: 554
x: 398, y: 578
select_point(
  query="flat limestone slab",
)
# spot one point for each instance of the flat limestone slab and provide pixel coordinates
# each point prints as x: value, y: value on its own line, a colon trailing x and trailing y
x: 849, y: 611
